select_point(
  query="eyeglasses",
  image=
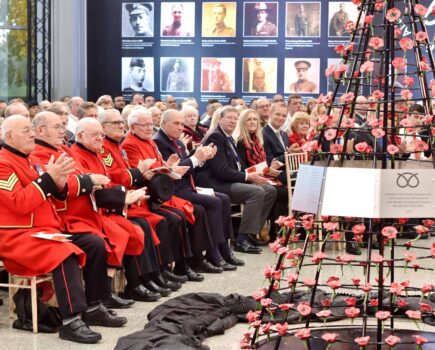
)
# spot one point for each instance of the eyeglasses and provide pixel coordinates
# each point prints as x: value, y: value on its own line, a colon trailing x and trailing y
x: 264, y: 106
x: 96, y: 134
x: 146, y: 125
x: 26, y: 131
x: 57, y: 127
x: 116, y: 122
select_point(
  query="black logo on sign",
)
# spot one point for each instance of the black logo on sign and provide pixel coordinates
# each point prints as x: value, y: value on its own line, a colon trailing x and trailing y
x: 407, y: 180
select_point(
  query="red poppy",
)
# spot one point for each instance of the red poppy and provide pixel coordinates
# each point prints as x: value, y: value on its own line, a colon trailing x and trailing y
x: 413, y: 314
x: 406, y: 94
x: 389, y: 232
x: 376, y: 42
x: 318, y: 257
x: 420, y: 10
x: 303, y: 334
x: 393, y: 14
x: 425, y: 307
x: 326, y: 302
x: 324, y: 313
x: 352, y: 312
x: 377, y: 258
x: 330, y: 337
x: 356, y: 281
x: 408, y: 81
x: 252, y: 316
x: 367, y: 66
x: 421, y: 36
x: 382, y: 315
x: 304, y: 309
x: 266, y: 302
x: 351, y: 301
x: 396, y: 288
x: 333, y: 282
x: 399, y: 63
x: 406, y: 44
x: 401, y: 303
x: 362, y: 341
x: 397, y: 32
x: 419, y: 340
x: 379, y: 5
x: 291, y: 278
x: 392, y: 340
x: 424, y: 66
x: 281, y: 328
x: 428, y: 222
x: 378, y: 133
x: 420, y: 145
x: 368, y: 19
x: 350, y: 26
x: 392, y: 149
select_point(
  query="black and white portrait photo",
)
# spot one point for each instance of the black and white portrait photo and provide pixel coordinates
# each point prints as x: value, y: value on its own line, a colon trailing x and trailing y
x: 176, y: 74
x: 137, y: 74
x: 138, y: 19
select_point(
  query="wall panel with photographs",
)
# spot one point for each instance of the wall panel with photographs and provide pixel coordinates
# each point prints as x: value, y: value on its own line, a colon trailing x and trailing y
x: 209, y: 49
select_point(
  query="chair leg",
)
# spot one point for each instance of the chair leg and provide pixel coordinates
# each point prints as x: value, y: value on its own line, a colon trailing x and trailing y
x: 34, y: 304
x: 10, y: 296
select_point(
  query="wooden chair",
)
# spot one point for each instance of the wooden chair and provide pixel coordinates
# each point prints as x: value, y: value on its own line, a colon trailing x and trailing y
x: 16, y: 282
x: 292, y: 163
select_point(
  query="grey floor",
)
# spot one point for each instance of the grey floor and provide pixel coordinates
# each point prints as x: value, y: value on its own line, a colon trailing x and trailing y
x: 244, y: 281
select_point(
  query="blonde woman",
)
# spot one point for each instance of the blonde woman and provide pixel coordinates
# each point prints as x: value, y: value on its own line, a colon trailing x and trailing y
x: 251, y: 150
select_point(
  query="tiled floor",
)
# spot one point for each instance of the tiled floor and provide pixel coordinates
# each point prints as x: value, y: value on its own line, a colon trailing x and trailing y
x: 244, y: 281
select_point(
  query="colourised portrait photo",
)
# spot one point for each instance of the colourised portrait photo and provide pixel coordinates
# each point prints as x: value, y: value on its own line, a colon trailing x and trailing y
x: 138, y: 19
x: 176, y: 74
x: 218, y: 74
x: 259, y: 75
x: 178, y: 19
x: 339, y: 12
x: 302, y: 75
x: 260, y: 19
x: 137, y: 74
x: 219, y: 19
x: 303, y: 19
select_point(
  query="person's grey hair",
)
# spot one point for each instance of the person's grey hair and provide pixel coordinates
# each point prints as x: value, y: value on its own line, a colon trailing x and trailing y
x: 56, y: 107
x: 84, y: 107
x: 8, y: 124
x: 227, y: 109
x: 83, y: 123
x: 166, y: 116
x: 135, y: 114
x: 9, y: 111
x: 41, y: 118
x: 188, y: 109
x: 102, y: 116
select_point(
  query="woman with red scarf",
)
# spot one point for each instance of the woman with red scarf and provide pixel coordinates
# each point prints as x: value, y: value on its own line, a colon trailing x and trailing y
x: 250, y: 147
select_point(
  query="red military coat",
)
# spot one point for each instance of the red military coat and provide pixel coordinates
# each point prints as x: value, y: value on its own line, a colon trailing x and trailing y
x: 121, y: 173
x: 139, y: 149
x: 94, y: 164
x: 77, y: 211
x: 26, y: 207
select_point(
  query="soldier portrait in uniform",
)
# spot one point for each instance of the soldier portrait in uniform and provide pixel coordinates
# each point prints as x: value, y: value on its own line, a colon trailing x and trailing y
x: 260, y: 75
x: 303, y: 19
x: 137, y: 74
x: 177, y: 74
x: 261, y: 19
x: 178, y: 19
x: 339, y: 14
x: 302, y: 75
x: 218, y: 74
x: 219, y: 19
x: 138, y: 19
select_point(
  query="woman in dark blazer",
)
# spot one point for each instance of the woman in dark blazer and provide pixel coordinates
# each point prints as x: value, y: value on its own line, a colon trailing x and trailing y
x: 251, y: 150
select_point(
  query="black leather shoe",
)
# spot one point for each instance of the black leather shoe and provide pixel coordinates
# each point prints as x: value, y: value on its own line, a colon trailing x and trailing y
x: 162, y: 282
x: 246, y: 247
x: 173, y: 277
x: 163, y: 291
x: 116, y: 302
x: 193, y: 276
x: 206, y: 267
x: 352, y: 248
x: 102, y: 317
x: 256, y: 242
x: 140, y: 293
x: 234, y: 261
x: 79, y: 332
x: 226, y: 266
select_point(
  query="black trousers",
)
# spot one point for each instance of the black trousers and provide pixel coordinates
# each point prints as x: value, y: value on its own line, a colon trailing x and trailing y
x: 177, y: 226
x: 71, y: 297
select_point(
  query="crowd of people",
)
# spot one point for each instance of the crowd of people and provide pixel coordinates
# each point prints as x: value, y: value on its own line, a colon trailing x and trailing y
x: 99, y: 173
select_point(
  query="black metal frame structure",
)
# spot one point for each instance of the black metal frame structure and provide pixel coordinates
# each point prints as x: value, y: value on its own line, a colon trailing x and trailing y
x: 39, y: 49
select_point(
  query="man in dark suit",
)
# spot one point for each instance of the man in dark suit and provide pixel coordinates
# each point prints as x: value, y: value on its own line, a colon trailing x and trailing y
x: 276, y: 141
x: 225, y: 173
x: 217, y: 207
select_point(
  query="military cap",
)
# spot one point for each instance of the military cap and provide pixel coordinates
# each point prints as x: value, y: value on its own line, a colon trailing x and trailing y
x: 302, y: 64
x: 261, y: 6
x: 137, y: 9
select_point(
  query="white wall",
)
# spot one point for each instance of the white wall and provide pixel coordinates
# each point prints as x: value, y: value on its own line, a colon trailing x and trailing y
x: 68, y: 48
